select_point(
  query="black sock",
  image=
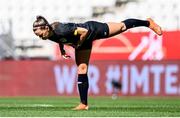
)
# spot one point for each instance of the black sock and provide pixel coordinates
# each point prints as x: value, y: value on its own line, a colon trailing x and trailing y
x: 83, y: 86
x: 130, y: 23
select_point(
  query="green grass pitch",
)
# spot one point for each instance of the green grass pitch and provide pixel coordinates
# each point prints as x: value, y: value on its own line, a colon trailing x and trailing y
x: 99, y: 107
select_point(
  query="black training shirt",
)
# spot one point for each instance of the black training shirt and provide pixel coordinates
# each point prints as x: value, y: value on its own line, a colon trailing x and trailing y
x: 63, y: 33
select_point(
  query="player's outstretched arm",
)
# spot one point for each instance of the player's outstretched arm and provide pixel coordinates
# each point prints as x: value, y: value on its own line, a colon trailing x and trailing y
x: 63, y: 52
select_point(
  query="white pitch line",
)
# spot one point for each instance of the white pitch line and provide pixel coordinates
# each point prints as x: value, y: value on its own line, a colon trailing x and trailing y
x: 38, y: 105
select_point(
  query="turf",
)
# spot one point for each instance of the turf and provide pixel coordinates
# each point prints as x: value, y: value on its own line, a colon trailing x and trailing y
x: 99, y: 106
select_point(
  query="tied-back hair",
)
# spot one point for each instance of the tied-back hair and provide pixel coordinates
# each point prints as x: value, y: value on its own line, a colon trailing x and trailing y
x: 40, y: 22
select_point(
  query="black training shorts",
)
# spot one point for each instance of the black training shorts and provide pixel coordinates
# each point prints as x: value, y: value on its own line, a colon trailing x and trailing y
x: 96, y: 30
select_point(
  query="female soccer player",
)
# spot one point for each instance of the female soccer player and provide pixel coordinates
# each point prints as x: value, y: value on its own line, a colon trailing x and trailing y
x: 80, y: 36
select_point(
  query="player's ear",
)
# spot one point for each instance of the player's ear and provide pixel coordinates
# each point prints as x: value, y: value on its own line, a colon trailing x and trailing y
x: 47, y: 27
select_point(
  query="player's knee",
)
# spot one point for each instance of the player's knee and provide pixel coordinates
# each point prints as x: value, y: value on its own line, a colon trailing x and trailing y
x: 82, y: 68
x: 123, y: 26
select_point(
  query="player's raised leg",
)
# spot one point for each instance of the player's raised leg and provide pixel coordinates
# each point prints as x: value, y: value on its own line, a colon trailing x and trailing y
x: 116, y: 28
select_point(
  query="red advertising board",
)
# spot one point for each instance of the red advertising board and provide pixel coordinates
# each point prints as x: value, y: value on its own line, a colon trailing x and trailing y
x: 138, y: 46
x: 50, y: 78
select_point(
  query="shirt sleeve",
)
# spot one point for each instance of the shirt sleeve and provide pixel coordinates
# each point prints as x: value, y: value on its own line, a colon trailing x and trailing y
x: 61, y: 46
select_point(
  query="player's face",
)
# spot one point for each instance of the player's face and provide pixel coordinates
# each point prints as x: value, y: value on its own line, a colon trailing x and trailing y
x: 43, y: 33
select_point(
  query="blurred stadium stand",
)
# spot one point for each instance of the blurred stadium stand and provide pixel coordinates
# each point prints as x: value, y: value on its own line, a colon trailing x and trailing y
x: 20, y: 38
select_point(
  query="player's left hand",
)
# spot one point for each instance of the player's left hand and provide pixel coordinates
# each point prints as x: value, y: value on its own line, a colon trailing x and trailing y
x: 65, y: 56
